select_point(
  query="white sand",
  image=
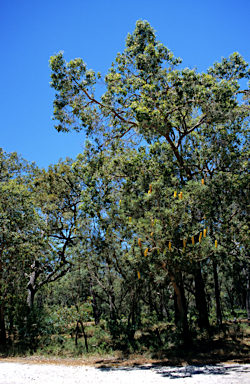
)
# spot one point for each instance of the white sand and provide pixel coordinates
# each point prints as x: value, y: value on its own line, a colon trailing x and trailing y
x: 21, y: 373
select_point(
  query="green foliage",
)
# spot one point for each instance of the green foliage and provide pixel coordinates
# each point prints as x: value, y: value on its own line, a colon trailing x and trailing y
x: 136, y: 236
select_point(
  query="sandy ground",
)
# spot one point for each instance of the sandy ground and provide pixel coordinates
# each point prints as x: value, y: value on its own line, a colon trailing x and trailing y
x: 23, y: 373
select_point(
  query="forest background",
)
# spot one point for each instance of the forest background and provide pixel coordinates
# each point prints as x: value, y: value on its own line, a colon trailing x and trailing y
x: 147, y: 231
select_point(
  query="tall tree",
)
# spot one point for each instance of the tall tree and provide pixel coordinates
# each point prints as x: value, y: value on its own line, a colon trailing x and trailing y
x: 202, y: 117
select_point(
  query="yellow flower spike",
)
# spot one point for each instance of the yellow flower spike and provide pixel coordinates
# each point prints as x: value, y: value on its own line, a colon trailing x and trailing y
x: 152, y: 222
x: 146, y: 252
x: 142, y: 172
x: 169, y: 245
x: 184, y: 243
x: 200, y: 237
x: 193, y: 240
x: 216, y: 244
x: 130, y: 219
x: 202, y: 181
x: 184, y: 249
x: 204, y: 232
x: 155, y: 222
x: 120, y: 202
x: 175, y: 193
x: 149, y: 192
x: 139, y: 242
x: 180, y: 195
x: 150, y: 188
x: 139, y: 275
x: 152, y: 234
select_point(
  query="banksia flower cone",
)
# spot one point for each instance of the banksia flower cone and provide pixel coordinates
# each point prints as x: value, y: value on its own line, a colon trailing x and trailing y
x: 150, y: 188
x: 142, y: 172
x: 152, y: 234
x: 216, y: 243
x: 175, y: 193
x: 193, y: 240
x: 169, y: 245
x: 184, y: 243
x: 130, y: 219
x: 146, y: 252
x: 139, y: 242
x: 205, y: 232
x: 202, y: 181
x: 180, y: 196
x: 120, y: 202
x: 139, y: 275
x: 200, y: 237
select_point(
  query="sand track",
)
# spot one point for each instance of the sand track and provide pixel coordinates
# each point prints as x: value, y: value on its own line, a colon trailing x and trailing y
x: 23, y: 373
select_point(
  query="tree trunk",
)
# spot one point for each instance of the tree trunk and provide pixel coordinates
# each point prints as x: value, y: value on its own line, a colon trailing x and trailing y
x: 76, y: 335
x: 132, y: 318
x: 164, y: 310
x: 248, y: 293
x: 181, y: 305
x: 217, y: 294
x: 200, y: 298
x: 85, y: 337
x: 176, y: 310
x: 111, y: 295
x: 2, y: 326
x: 94, y: 302
x: 31, y: 289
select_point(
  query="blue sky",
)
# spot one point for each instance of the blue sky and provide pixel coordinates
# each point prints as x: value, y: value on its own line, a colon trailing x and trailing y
x: 31, y: 31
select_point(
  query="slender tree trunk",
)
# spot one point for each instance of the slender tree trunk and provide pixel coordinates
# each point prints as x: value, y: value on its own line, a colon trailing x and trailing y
x: 132, y: 318
x: 200, y: 298
x: 110, y: 295
x: 94, y: 302
x: 76, y: 335
x: 176, y: 310
x: 217, y: 294
x: 181, y: 304
x: 2, y: 326
x: 150, y: 300
x: 85, y: 336
x: 31, y: 290
x: 164, y: 310
x: 248, y: 293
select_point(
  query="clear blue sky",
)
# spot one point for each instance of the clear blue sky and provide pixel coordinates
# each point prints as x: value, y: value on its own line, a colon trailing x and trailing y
x: 199, y: 32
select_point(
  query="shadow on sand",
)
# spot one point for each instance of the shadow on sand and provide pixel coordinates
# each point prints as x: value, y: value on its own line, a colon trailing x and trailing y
x: 186, y: 371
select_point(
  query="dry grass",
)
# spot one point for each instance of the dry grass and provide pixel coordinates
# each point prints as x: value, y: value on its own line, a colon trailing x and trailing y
x: 230, y: 344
